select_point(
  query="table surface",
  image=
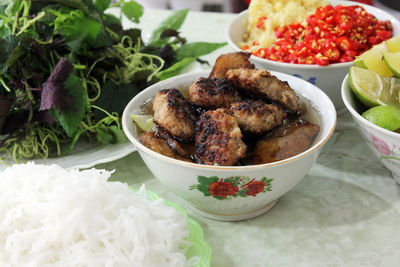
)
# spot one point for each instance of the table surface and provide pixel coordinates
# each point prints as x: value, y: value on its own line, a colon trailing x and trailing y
x: 345, y: 212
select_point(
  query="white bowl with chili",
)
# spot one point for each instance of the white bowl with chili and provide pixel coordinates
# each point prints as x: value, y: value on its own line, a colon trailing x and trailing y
x: 326, y: 68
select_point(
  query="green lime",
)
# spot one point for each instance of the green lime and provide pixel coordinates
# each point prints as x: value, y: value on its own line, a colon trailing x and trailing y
x: 393, y: 44
x: 144, y: 122
x: 372, y: 89
x: 392, y: 60
x: 360, y: 63
x: 372, y: 59
x: 366, y: 85
x: 387, y: 117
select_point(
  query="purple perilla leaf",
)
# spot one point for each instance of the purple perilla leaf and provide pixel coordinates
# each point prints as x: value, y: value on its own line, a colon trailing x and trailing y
x: 54, y: 94
x: 44, y: 117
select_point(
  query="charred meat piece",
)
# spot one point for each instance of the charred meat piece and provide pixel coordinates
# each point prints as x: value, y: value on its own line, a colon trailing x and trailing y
x: 213, y: 93
x: 256, y: 116
x: 175, y: 114
x: 218, y: 139
x: 159, y: 145
x: 172, y: 143
x: 229, y: 61
x: 287, y: 141
x: 260, y: 83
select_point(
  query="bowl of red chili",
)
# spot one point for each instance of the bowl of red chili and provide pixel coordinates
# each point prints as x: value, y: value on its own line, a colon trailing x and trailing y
x: 321, y: 49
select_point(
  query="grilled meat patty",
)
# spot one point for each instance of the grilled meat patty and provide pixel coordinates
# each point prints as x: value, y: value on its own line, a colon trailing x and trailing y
x: 213, y: 93
x: 218, y: 139
x: 256, y: 116
x: 175, y: 114
x: 260, y: 83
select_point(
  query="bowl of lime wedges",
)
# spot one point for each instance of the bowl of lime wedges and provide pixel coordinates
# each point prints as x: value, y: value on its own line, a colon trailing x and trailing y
x: 370, y: 92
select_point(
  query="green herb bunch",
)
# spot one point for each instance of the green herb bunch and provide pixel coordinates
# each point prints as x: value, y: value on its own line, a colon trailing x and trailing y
x: 68, y: 69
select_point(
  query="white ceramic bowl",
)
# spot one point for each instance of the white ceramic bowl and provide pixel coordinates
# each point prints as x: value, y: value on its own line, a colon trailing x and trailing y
x: 268, y: 181
x: 384, y: 143
x: 328, y: 78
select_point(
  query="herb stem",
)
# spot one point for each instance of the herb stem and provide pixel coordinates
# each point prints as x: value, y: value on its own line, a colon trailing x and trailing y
x: 93, y: 65
x: 96, y: 86
x: 31, y: 22
x: 7, y: 19
x: 27, y: 7
x: 79, y: 66
x: 16, y: 20
x: 4, y: 85
x: 112, y: 33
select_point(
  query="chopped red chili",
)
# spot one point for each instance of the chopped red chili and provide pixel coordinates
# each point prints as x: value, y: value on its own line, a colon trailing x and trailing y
x: 330, y: 35
x: 260, y: 23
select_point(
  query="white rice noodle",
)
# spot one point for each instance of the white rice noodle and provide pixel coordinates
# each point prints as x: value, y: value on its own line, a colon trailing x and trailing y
x: 50, y: 216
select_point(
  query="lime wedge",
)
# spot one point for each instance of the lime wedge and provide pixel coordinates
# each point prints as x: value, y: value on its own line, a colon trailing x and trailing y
x: 393, y: 44
x: 360, y: 63
x: 144, y: 122
x: 392, y: 60
x: 387, y: 117
x: 391, y: 92
x: 372, y: 89
x: 373, y: 60
x: 366, y: 85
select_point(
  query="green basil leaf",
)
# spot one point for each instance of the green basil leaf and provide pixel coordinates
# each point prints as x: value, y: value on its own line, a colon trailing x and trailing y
x: 8, y: 45
x: 102, y: 4
x: 115, y: 97
x: 173, y: 22
x: 110, y: 19
x: 196, y: 49
x: 175, y: 69
x: 78, y: 30
x: 132, y: 10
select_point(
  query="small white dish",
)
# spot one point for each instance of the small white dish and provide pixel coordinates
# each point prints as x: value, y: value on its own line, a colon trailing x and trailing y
x: 384, y: 143
x: 85, y: 155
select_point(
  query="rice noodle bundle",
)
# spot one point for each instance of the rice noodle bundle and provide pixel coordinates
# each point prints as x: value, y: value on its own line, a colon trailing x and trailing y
x: 50, y: 216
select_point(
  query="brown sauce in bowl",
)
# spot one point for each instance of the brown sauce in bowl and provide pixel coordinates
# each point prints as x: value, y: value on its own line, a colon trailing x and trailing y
x: 294, y: 136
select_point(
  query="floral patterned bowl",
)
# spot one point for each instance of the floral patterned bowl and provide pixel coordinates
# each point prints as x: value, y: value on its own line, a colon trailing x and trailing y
x: 233, y: 192
x: 384, y: 143
x: 328, y: 78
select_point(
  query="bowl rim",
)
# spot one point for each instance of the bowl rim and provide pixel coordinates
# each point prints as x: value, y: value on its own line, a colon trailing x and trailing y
x: 345, y: 89
x: 140, y: 147
x: 260, y: 60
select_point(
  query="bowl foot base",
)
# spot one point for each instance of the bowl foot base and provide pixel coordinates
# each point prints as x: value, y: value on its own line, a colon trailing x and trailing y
x: 235, y: 217
x: 396, y: 177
